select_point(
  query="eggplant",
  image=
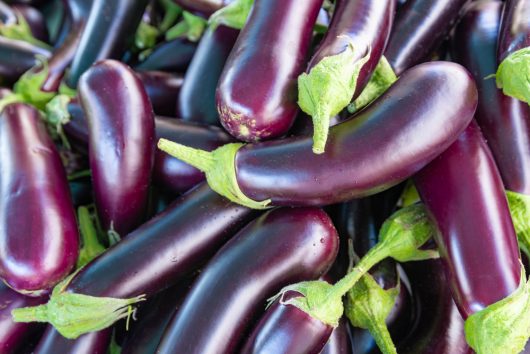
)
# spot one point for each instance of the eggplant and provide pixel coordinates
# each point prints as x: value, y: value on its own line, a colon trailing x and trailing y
x: 35, y: 21
x: 287, y: 172
x: 35, y: 255
x: 174, y: 56
x: 196, y: 101
x: 91, y: 343
x: 121, y: 132
x: 476, y: 234
x: 166, y: 249
x: 419, y: 28
x: 17, y: 57
x: 514, y: 33
x: 339, y: 341
x: 163, y: 90
x: 205, y: 7
x: 108, y: 32
x: 281, y: 246
x: 256, y: 96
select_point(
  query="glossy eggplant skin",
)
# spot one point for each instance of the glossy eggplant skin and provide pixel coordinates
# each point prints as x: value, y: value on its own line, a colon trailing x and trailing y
x: 515, y: 28
x: 281, y: 247
x: 34, y: 255
x: 204, y: 7
x: 13, y: 335
x: 339, y: 342
x: 173, y: 56
x: 419, y: 28
x: 439, y: 327
x: 196, y: 101
x: 163, y: 90
x: 256, y: 96
x: 366, y: 25
x: 505, y: 121
x: 35, y: 21
x: 289, y: 173
x: 476, y: 234
x: 17, y: 57
x: 90, y: 343
x: 109, y: 30
x: 122, y: 146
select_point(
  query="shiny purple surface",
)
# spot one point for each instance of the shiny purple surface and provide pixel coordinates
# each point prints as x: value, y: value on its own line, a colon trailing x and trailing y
x: 257, y: 94
x: 205, y: 7
x: 463, y: 192
x: 91, y: 343
x: 515, y: 27
x: 122, y: 147
x: 339, y: 342
x: 163, y: 90
x: 505, y: 121
x: 384, y: 144
x: 419, y: 28
x: 38, y: 231
x: 16, y: 57
x: 281, y: 247
x: 173, y: 56
x: 366, y: 25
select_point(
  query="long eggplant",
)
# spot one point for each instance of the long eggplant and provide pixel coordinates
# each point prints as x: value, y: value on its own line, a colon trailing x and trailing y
x: 163, y: 90
x: 16, y: 57
x: 10, y: 17
x: 282, y: 246
x: 38, y: 230
x: 419, y: 28
x: 287, y: 172
x: 256, y: 96
x: 109, y: 29
x: 344, y: 61
x: 339, y: 342
x: 205, y: 7
x: 196, y: 101
x: 174, y: 56
x: 91, y: 343
x: 121, y: 133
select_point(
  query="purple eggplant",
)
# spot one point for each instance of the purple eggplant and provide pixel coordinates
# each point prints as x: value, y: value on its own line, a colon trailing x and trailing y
x: 38, y: 230
x: 419, y: 28
x: 282, y: 246
x: 196, y: 101
x: 205, y: 7
x: 287, y: 172
x: 339, y: 341
x: 469, y: 210
x: 13, y: 335
x: 174, y: 55
x: 256, y: 96
x: 91, y: 343
x: 354, y: 42
x: 17, y: 57
x: 35, y: 21
x: 163, y: 90
x: 108, y: 32
x: 121, y: 132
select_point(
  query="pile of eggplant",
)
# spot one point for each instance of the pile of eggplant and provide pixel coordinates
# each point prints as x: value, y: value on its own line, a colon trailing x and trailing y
x: 264, y: 176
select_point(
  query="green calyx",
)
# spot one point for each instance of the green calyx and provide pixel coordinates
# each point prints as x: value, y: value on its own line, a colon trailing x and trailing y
x: 520, y: 211
x: 171, y: 13
x: 327, y: 89
x: 410, y: 195
x: 234, y: 15
x: 146, y: 35
x: 502, y: 327
x: 382, y: 78
x: 21, y: 31
x: 57, y: 115
x: 219, y: 167
x: 75, y: 314
x: 91, y: 247
x: 367, y: 306
x: 513, y: 75
x: 191, y: 27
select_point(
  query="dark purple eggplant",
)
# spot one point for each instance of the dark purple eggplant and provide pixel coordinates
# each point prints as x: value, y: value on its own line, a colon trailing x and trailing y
x: 155, y: 256
x: 17, y: 57
x: 256, y: 96
x: 419, y: 28
x: 476, y: 234
x: 163, y: 90
x: 196, y: 101
x: 282, y: 246
x: 13, y: 335
x: 287, y: 172
x: 38, y: 230
x: 121, y: 132
x: 91, y: 343
x: 354, y: 42
x: 339, y: 342
x: 108, y: 32
x: 35, y: 21
x: 174, y: 55
x: 205, y: 7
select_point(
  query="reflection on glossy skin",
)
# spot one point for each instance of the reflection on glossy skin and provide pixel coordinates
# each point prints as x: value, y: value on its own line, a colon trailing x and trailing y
x: 16, y: 57
x: 90, y: 343
x: 172, y: 56
x: 204, y: 7
x: 515, y: 28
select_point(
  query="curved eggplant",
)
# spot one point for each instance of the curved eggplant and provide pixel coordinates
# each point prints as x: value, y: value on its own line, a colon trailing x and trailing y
x: 91, y: 343
x: 173, y: 56
x: 514, y: 31
x: 35, y: 21
x: 205, y: 7
x: 256, y: 96
x: 282, y: 246
x: 163, y: 90
x: 34, y: 255
x: 121, y: 132
x: 17, y: 57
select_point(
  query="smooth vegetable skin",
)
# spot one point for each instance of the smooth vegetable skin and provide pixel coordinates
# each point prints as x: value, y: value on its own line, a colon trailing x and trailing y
x: 108, y: 32
x: 121, y: 133
x: 339, y: 342
x: 505, y: 121
x: 463, y: 192
x: 91, y: 343
x: 13, y: 335
x: 419, y: 28
x: 35, y: 255
x: 34, y: 19
x: 16, y: 57
x: 256, y: 96
x: 282, y: 246
x: 289, y: 173
x: 163, y: 90
x: 174, y: 56
x: 205, y: 7
x: 196, y: 101
x: 515, y: 28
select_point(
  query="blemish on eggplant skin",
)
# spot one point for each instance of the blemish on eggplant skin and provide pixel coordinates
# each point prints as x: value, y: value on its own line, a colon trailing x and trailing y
x: 244, y: 131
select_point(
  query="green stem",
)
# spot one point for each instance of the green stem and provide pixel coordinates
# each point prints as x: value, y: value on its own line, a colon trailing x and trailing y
x: 379, y: 331
x: 31, y: 314
x: 12, y: 98
x: 320, y: 132
x: 79, y: 174
x: 91, y: 246
x: 171, y: 14
x: 200, y: 159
